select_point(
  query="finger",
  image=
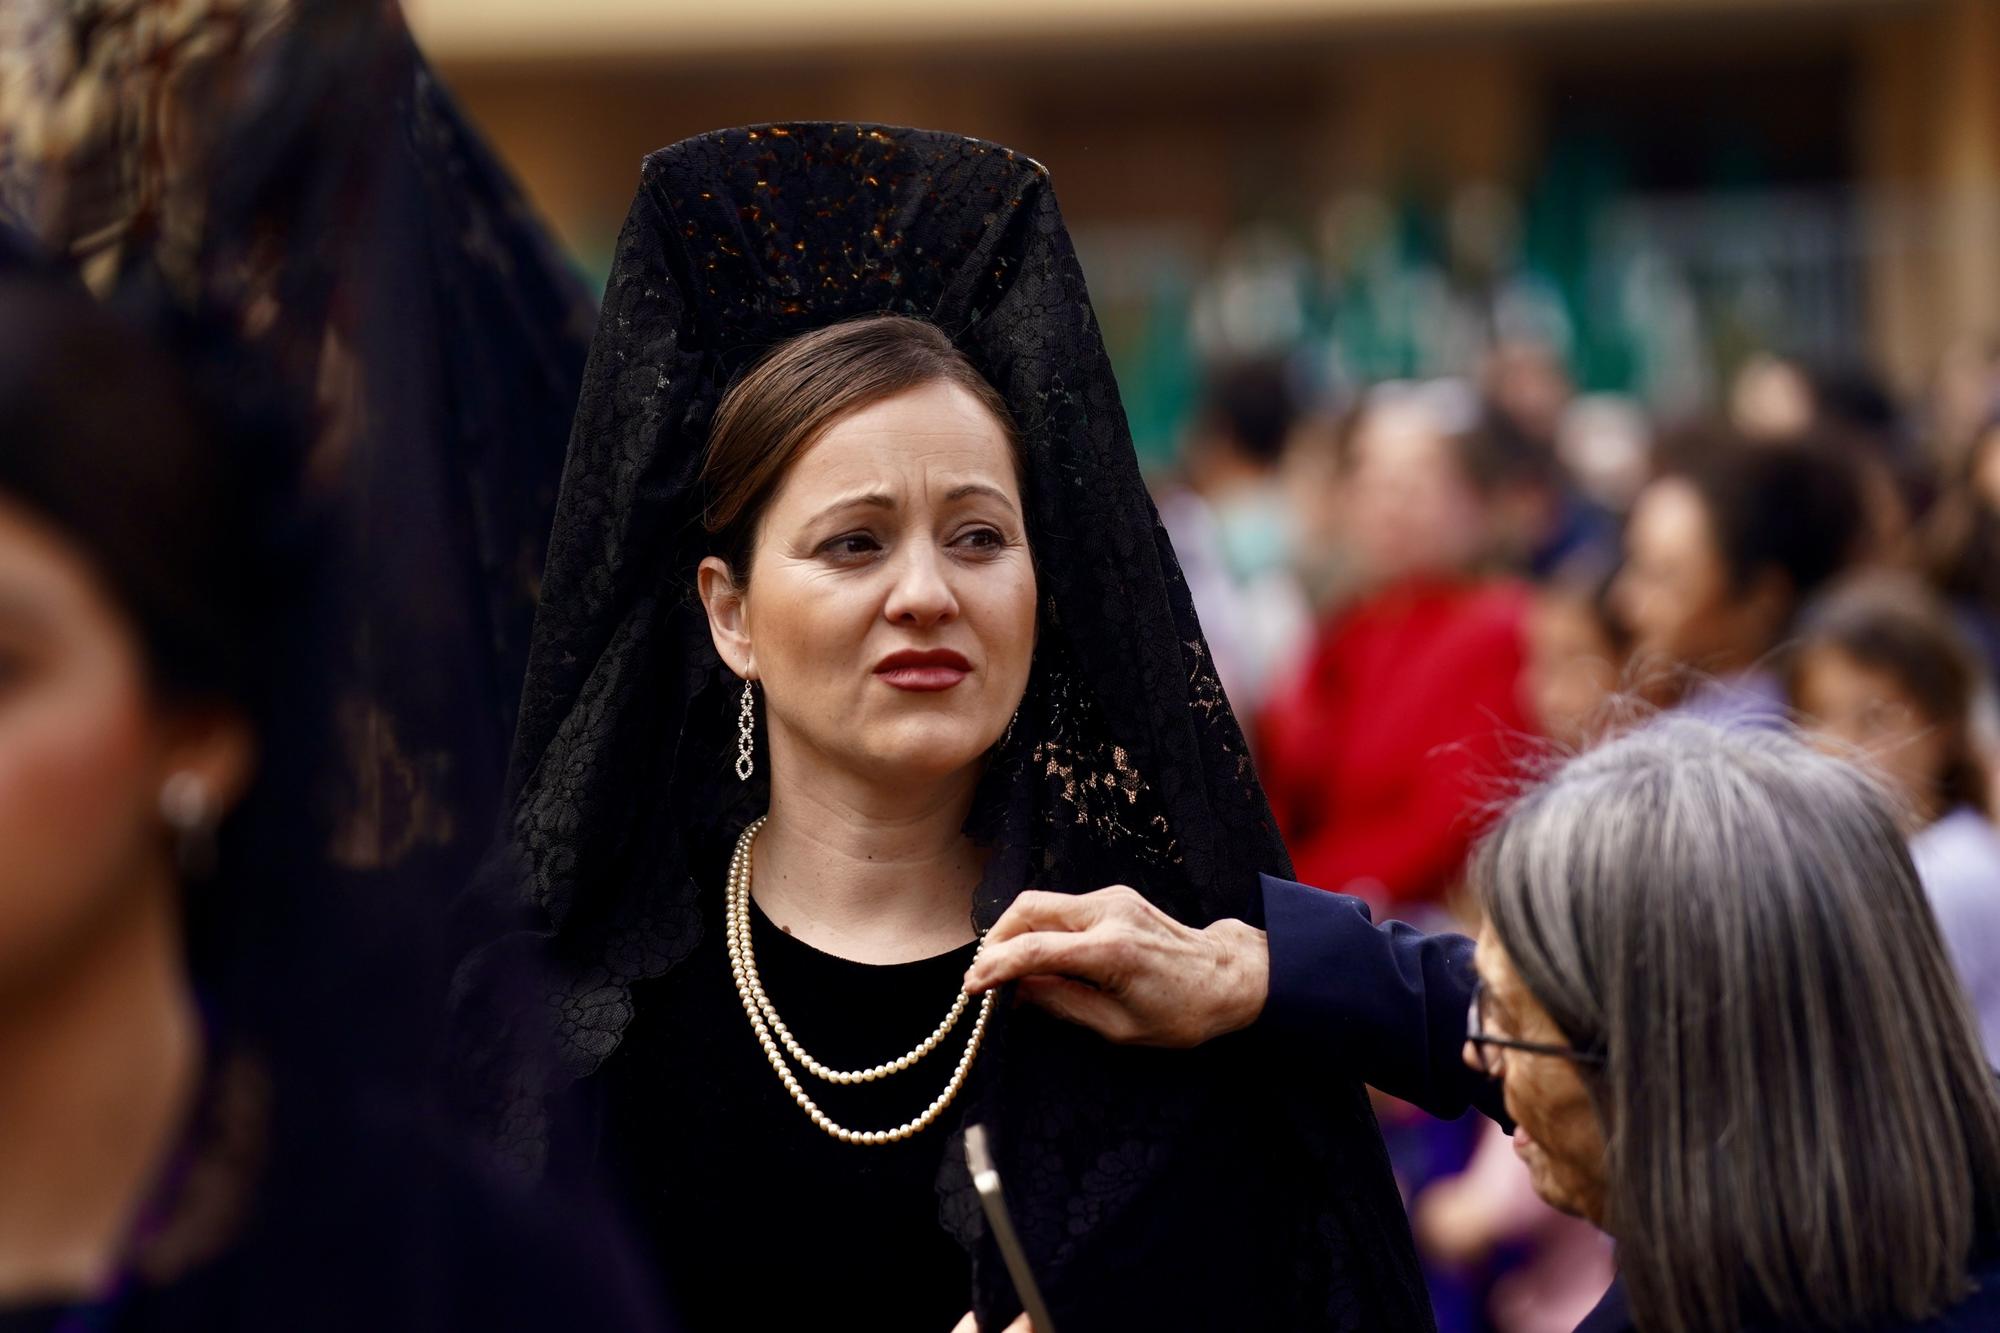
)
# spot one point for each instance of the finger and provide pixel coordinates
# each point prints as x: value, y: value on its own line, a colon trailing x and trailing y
x: 1038, y: 909
x: 1055, y: 953
x: 967, y: 1325
x: 1076, y: 1003
x: 1020, y: 1325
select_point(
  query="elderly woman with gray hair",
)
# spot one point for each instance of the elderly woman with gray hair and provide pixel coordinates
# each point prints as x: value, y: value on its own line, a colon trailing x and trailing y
x: 1711, y: 994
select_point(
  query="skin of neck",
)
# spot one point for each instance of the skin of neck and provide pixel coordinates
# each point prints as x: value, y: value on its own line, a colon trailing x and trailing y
x: 872, y: 871
x: 99, y: 1066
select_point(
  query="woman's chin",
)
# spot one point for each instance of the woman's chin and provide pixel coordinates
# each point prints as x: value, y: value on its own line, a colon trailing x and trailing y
x: 928, y: 756
x: 1547, y: 1182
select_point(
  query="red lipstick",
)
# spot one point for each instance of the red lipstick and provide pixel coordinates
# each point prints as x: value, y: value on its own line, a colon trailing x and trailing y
x: 925, y: 671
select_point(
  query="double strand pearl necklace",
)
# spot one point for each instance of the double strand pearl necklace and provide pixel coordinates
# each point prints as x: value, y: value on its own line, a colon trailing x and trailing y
x: 764, y: 1021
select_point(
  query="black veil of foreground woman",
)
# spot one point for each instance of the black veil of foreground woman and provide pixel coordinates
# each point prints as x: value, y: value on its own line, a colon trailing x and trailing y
x: 1087, y: 743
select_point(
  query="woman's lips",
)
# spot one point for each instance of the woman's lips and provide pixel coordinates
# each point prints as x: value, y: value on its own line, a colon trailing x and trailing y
x: 922, y: 679
x: 923, y: 672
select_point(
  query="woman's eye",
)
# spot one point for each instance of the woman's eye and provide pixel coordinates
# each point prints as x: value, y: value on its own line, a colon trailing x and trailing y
x: 850, y: 546
x: 981, y: 539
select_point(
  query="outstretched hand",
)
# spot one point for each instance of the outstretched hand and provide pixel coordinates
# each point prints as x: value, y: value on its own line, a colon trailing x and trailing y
x: 1118, y: 965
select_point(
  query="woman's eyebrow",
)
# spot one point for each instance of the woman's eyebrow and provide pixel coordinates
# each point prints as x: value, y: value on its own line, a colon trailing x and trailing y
x: 971, y: 488
x: 871, y: 500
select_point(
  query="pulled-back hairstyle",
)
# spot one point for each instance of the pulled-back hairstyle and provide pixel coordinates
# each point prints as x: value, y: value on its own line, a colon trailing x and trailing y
x: 787, y: 400
x: 1800, y: 1126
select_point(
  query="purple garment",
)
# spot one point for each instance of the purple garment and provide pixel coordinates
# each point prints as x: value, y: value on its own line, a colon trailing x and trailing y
x: 1958, y: 860
x: 1753, y: 699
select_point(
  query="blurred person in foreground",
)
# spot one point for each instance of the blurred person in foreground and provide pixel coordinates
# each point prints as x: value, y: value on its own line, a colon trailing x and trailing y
x: 1880, y: 672
x: 198, y: 1131
x: 1723, y: 547
x: 1711, y: 994
x: 299, y: 165
x: 1233, y: 529
x: 1375, y: 754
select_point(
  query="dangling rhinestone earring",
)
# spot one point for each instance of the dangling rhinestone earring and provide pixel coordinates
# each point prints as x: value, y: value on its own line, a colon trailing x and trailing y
x: 746, y: 735
x: 1008, y: 734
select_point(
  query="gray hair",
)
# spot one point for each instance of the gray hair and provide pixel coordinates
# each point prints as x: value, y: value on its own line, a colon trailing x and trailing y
x: 1800, y: 1125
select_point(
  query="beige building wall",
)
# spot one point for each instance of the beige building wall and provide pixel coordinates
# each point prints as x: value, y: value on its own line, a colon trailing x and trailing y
x: 1195, y: 118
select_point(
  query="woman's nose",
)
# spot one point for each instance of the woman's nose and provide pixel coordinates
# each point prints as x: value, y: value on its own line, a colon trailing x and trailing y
x: 921, y: 594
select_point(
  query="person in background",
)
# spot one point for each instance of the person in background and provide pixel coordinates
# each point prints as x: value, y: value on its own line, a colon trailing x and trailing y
x: 1233, y: 531
x: 1879, y: 670
x: 1376, y: 756
x: 202, y: 1131
x: 1962, y: 540
x: 1544, y: 522
x: 1723, y: 546
x: 1843, y: 410
x: 1577, y: 651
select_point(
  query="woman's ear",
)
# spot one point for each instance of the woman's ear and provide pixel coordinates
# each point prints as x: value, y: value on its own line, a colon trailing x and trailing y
x: 215, y: 746
x: 723, y: 600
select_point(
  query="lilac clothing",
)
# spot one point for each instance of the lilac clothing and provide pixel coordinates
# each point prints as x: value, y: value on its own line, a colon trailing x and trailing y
x: 1753, y: 699
x: 1958, y: 860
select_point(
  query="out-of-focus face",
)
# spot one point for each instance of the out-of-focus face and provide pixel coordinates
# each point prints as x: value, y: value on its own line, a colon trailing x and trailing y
x: 1557, y: 1133
x: 1986, y: 471
x: 82, y: 757
x: 1410, y: 507
x: 1674, y: 592
x: 890, y: 611
x: 1850, y: 706
x: 1573, y: 669
x: 1771, y: 399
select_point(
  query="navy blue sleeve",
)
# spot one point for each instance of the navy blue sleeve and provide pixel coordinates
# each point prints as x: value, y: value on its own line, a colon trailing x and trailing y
x: 1387, y: 1001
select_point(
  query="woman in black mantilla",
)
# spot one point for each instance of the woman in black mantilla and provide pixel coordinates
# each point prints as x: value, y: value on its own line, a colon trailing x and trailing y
x: 913, y: 560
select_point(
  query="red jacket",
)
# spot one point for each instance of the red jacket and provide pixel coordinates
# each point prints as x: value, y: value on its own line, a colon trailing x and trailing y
x: 1383, y: 756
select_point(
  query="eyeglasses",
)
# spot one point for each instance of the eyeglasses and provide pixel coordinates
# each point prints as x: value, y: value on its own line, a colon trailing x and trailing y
x: 1487, y: 1048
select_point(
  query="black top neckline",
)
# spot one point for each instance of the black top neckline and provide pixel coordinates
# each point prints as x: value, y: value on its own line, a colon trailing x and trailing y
x: 762, y: 926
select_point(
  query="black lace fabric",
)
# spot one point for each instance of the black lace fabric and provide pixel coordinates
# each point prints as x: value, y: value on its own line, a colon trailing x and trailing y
x: 1205, y: 1190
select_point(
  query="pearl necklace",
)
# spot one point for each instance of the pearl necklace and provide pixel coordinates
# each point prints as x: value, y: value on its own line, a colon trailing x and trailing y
x: 764, y: 1021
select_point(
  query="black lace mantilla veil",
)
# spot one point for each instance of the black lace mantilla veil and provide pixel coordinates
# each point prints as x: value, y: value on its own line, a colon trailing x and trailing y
x: 1125, y: 765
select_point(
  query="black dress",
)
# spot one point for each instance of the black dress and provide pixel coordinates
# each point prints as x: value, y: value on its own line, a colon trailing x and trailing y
x: 757, y: 1218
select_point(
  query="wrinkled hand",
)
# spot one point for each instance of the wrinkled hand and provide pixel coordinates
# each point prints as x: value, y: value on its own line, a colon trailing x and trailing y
x: 1118, y: 965
x: 971, y: 1325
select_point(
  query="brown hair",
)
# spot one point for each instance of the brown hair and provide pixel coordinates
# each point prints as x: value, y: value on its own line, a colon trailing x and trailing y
x: 787, y: 400
x: 1895, y: 625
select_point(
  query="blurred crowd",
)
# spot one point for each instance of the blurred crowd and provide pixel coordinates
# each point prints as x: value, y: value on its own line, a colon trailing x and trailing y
x: 1419, y: 591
